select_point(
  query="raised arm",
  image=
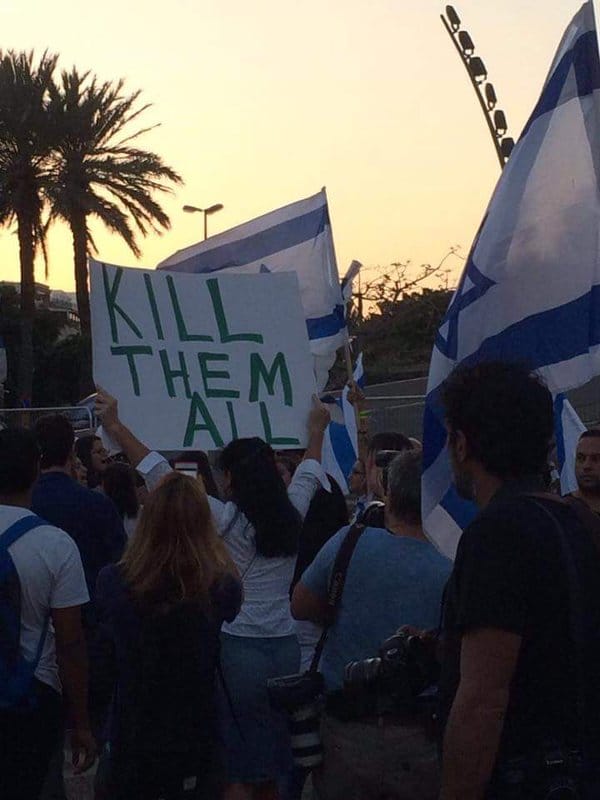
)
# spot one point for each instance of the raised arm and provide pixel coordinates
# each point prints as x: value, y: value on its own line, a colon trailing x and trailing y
x: 318, y: 421
x: 310, y: 475
x: 108, y: 411
x: 150, y: 464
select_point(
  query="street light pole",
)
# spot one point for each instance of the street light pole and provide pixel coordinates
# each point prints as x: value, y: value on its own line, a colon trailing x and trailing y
x: 206, y: 211
x: 484, y: 90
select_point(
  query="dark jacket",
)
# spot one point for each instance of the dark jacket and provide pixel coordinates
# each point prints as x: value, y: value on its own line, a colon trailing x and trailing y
x: 90, y: 518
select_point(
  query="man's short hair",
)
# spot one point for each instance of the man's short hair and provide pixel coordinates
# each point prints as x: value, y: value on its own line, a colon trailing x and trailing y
x: 593, y: 433
x: 19, y: 460
x: 404, y: 487
x: 389, y: 440
x: 505, y: 413
x: 56, y: 438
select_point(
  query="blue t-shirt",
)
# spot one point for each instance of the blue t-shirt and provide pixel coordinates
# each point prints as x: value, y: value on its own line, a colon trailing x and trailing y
x: 391, y: 581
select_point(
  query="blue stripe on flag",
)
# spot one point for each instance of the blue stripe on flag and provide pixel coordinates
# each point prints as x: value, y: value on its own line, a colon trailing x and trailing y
x: 322, y: 327
x: 342, y: 447
x: 541, y: 340
x: 583, y: 57
x: 462, y: 511
x: 435, y: 439
x: 548, y: 337
x: 259, y: 246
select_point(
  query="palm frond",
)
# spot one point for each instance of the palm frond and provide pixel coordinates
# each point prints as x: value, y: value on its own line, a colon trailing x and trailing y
x: 96, y: 170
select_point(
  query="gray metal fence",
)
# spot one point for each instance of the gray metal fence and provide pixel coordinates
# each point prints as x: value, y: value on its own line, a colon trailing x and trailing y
x: 405, y: 417
x: 387, y: 412
x: 81, y: 417
x: 405, y: 414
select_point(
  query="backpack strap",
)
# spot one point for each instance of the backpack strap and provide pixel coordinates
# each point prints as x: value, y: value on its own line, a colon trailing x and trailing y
x: 589, y: 520
x: 18, y: 529
x: 11, y: 535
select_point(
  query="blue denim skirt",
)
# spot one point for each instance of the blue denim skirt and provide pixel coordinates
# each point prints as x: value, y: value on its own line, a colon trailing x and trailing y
x: 256, y: 738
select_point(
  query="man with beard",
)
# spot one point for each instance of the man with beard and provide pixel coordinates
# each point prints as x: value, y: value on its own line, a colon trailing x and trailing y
x: 587, y: 469
x: 519, y: 690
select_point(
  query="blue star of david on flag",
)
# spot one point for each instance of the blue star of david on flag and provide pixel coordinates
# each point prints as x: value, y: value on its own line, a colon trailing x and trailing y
x: 472, y: 286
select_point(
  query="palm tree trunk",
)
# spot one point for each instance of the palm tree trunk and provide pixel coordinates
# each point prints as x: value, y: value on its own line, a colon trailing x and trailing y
x: 80, y: 242
x: 26, y: 257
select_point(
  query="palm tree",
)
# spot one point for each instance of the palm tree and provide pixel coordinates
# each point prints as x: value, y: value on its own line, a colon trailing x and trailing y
x: 25, y: 145
x: 98, y: 173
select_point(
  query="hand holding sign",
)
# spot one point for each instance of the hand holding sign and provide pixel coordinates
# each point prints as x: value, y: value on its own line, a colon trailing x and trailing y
x: 107, y: 409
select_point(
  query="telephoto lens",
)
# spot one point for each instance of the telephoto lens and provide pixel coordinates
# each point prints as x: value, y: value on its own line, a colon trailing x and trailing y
x: 307, y: 748
x: 299, y: 697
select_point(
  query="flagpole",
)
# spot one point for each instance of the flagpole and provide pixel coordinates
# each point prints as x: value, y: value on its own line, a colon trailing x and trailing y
x: 348, y: 357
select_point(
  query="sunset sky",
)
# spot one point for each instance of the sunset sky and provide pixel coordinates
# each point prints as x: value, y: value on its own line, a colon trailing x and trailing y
x: 262, y: 103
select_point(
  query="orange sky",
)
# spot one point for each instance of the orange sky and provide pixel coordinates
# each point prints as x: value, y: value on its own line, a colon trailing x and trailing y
x: 263, y: 103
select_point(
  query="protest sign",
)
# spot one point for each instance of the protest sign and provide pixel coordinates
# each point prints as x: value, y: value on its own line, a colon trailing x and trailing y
x: 198, y: 361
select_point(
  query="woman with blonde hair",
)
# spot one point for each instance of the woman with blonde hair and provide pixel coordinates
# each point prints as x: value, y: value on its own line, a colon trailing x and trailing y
x: 163, y: 606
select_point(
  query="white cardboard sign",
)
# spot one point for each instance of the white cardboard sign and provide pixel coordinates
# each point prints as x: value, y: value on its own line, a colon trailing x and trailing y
x: 197, y: 361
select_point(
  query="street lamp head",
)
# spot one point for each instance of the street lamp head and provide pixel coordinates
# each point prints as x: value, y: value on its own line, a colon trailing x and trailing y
x: 500, y: 123
x: 506, y: 147
x: 477, y: 69
x: 191, y: 209
x: 466, y: 43
x: 212, y: 209
x: 453, y: 18
x: 490, y: 96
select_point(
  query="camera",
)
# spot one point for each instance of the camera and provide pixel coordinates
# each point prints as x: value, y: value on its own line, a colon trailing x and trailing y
x: 393, y: 680
x: 550, y: 772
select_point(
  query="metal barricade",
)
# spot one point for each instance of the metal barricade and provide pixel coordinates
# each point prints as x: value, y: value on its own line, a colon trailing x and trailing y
x: 81, y: 417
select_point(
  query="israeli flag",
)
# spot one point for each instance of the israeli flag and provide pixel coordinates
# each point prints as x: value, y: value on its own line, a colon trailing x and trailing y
x: 340, y: 444
x: 530, y: 290
x: 296, y: 238
x: 568, y: 428
x: 347, y: 284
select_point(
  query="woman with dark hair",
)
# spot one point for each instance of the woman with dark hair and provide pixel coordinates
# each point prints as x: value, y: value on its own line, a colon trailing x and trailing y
x: 163, y: 606
x: 118, y: 483
x: 260, y: 524
x: 94, y: 457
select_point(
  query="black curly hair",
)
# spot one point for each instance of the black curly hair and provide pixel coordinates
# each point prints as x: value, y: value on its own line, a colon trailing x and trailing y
x: 505, y: 413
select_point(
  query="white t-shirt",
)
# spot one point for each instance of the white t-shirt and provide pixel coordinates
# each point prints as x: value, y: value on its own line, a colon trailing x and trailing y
x: 50, y: 573
x: 265, y: 611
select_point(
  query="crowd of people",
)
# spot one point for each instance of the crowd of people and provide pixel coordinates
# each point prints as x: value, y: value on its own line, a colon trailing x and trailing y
x: 147, y: 614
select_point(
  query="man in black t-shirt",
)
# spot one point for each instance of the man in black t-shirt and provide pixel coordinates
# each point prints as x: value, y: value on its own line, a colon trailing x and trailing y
x: 509, y: 678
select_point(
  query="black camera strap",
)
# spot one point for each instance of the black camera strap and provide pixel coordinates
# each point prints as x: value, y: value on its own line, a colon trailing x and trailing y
x: 336, y: 586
